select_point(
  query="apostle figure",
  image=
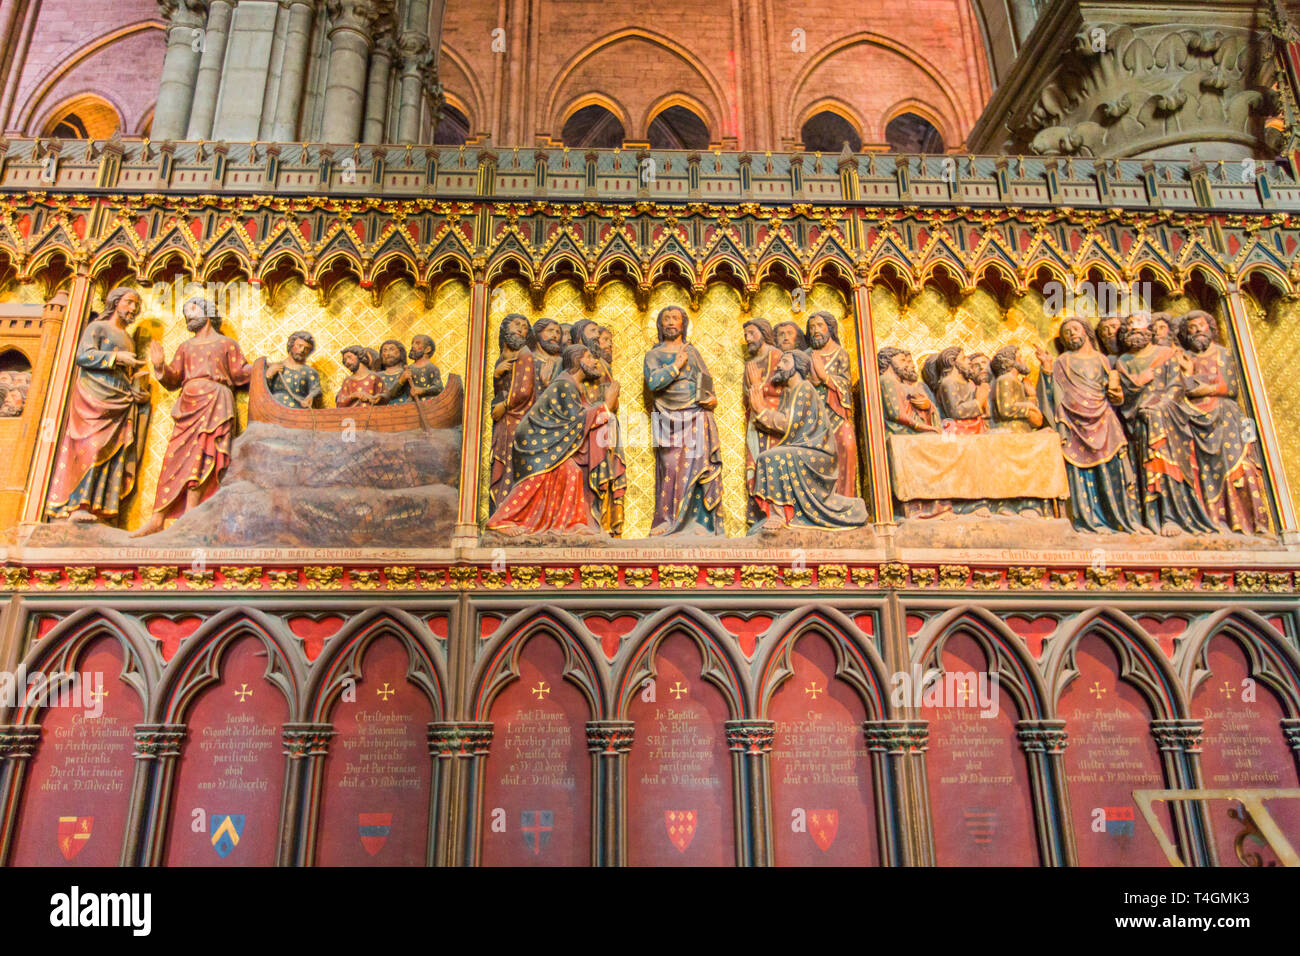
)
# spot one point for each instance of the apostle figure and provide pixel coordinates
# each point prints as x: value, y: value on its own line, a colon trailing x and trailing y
x: 1157, y: 419
x: 420, y: 379
x: 293, y: 383
x: 1164, y: 329
x: 832, y: 377
x: 550, y: 339
x: 392, y: 373
x: 1108, y: 337
x: 206, y: 368
x: 981, y: 367
x: 557, y: 451
x: 761, y: 358
x: 1229, y: 465
x: 956, y: 393
x: 907, y: 405
x: 362, y: 386
x: 909, y: 410
x: 108, y: 415
x: 611, y: 477
x: 795, y: 480
x: 514, y: 389
x: 688, y: 452
x: 1013, y: 406
x: 789, y: 336
x: 1103, y: 486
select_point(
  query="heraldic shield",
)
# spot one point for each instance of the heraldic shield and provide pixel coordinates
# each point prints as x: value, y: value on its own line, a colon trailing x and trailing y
x: 536, y: 826
x: 374, y: 829
x: 227, y: 828
x: 681, y: 827
x: 74, y: 834
x: 822, y: 826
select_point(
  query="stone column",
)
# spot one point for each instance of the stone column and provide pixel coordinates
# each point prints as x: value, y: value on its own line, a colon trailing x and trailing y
x: 306, y: 746
x: 1179, y: 741
x: 59, y: 369
x: 872, y: 435
x: 901, y: 790
x: 157, y: 746
x: 17, y: 744
x: 609, y: 742
x: 1043, y: 742
x: 297, y: 44
x: 459, y: 749
x: 349, y: 34
x: 212, y: 58
x: 1024, y: 14
x: 414, y: 50
x: 750, y: 741
x: 381, y: 61
x: 186, y: 20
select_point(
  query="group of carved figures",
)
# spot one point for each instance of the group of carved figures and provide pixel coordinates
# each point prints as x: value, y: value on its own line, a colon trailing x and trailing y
x: 108, y: 415
x: 558, y: 463
x: 1146, y: 407
x: 13, y: 392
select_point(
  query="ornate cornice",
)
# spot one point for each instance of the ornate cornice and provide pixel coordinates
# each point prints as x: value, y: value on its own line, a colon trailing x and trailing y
x: 751, y: 736
x: 610, y: 737
x: 460, y: 738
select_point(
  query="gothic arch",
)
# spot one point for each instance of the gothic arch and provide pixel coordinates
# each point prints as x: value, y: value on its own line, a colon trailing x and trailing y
x: 1142, y: 664
x: 720, y: 667
x: 924, y: 111
x: 1002, y: 649
x: 78, y: 103
x: 197, y: 664
x: 60, y: 650
x: 471, y: 101
x: 604, y: 101
x: 346, y: 650
x: 499, y: 662
x: 686, y: 102
x: 857, y: 662
x: 70, y: 62
x: 868, y: 38
x: 570, y: 67
x: 1270, y: 659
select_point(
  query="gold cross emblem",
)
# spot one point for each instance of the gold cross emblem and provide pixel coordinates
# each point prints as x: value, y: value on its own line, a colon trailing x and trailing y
x: 1096, y: 689
x: 1226, y: 690
x: 542, y: 689
x: 678, y: 690
x: 385, y: 692
x: 813, y: 690
x: 243, y: 693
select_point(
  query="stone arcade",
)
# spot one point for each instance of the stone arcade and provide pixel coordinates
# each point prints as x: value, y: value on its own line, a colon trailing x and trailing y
x: 577, y: 458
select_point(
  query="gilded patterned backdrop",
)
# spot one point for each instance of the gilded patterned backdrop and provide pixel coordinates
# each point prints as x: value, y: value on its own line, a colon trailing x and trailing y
x: 261, y: 327
x: 1278, y: 349
x: 716, y: 329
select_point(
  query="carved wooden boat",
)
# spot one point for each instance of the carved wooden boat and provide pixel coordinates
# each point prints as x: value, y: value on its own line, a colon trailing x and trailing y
x: 442, y: 411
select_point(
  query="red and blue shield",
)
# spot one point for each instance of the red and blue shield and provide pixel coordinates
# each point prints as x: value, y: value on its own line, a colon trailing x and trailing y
x: 537, y: 826
x: 374, y: 829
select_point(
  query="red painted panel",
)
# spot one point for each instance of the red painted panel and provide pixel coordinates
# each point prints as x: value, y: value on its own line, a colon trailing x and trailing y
x: 979, y: 780
x: 1110, y: 754
x: 1243, y: 747
x: 79, y: 781
x: 231, y: 765
x: 537, y: 779
x: 375, y: 799
x: 679, y: 771
x: 823, y: 811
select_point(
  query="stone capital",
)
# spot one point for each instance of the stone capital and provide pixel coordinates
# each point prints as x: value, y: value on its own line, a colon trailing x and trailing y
x: 751, y: 736
x: 1179, y: 734
x: 1042, y: 736
x: 307, y: 740
x: 897, y: 736
x: 158, y: 740
x: 1291, y: 730
x: 19, y: 741
x: 609, y: 736
x: 460, y: 738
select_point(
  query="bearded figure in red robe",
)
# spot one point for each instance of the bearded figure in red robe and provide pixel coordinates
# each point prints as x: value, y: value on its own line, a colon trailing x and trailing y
x: 206, y: 368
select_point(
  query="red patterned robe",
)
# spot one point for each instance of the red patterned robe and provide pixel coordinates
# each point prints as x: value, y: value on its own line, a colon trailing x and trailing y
x: 517, y: 390
x: 206, y: 372
x: 354, y: 389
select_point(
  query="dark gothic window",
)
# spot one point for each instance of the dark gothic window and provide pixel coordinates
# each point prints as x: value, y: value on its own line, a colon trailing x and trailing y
x: 827, y: 132
x: 909, y: 133
x: 678, y: 128
x: 593, y: 127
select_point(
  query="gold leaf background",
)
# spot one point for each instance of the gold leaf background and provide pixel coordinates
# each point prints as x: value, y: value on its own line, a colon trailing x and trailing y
x: 716, y: 329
